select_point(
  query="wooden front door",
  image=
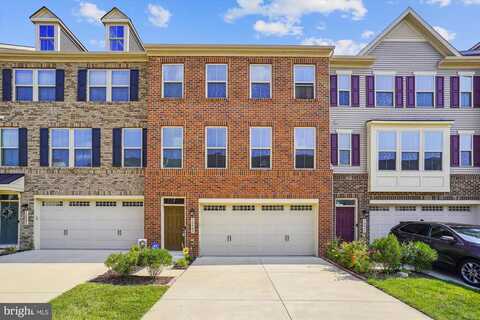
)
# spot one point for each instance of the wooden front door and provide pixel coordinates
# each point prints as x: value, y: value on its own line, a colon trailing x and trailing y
x: 174, y: 224
x: 345, y: 223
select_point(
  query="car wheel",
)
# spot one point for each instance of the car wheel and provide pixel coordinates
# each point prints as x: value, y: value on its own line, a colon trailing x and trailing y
x: 470, y: 272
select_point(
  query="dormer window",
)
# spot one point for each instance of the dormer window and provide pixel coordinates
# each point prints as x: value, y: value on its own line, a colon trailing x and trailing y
x: 117, y: 38
x: 47, y: 37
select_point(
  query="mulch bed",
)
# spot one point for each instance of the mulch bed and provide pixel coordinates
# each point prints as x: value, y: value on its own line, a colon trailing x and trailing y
x: 111, y: 277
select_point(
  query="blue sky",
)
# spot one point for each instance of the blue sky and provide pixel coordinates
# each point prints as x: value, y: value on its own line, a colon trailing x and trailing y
x: 348, y: 24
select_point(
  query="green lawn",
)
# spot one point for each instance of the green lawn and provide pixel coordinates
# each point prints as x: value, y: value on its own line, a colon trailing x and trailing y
x: 438, y: 299
x: 105, y: 301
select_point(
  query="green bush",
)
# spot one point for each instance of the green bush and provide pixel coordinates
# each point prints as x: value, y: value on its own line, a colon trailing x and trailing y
x: 419, y: 255
x: 333, y: 250
x: 387, y: 251
x: 354, y: 255
x: 155, y: 260
x: 122, y: 263
x: 181, y: 263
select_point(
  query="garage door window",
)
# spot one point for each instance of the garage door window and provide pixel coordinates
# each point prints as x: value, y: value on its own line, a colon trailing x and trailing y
x: 260, y: 147
x: 216, y: 144
x: 172, y: 147
x: 304, y: 148
x: 132, y: 147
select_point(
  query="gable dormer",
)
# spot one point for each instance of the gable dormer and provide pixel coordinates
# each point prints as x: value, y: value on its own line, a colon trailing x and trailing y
x: 120, y: 33
x: 51, y: 34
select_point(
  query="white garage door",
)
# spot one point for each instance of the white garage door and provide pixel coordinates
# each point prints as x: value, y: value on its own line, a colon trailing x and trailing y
x: 383, y: 219
x: 87, y: 224
x: 232, y: 230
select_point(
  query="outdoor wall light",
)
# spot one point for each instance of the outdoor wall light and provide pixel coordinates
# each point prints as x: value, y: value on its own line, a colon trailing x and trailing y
x: 25, y: 214
x: 192, y: 221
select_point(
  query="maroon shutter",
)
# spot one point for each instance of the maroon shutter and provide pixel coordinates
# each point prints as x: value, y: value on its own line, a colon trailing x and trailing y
x: 476, y: 150
x: 476, y: 92
x: 355, y: 91
x: 454, y: 150
x: 411, y: 92
x: 439, y: 94
x: 370, y: 82
x: 399, y: 92
x: 334, y: 148
x: 454, y: 92
x: 333, y: 91
x: 355, y: 149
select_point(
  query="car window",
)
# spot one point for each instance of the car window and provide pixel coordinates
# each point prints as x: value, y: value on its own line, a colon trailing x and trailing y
x: 439, y: 231
x: 416, y: 228
x: 473, y: 232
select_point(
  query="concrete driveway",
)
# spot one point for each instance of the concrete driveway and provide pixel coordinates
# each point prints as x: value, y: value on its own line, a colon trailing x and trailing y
x: 41, y: 275
x: 274, y: 288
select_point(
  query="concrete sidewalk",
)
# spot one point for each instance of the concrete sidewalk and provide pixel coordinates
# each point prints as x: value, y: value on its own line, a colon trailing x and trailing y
x: 274, y: 288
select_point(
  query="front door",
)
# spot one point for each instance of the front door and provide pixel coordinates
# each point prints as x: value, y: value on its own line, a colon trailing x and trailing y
x: 345, y: 223
x: 174, y: 225
x: 8, y: 223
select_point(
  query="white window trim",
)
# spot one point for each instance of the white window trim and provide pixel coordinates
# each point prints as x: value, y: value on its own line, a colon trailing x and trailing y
x: 269, y: 81
x: 126, y: 37
x: 216, y: 81
x: 393, y: 91
x: 305, y: 82
x: 470, y: 134
x: 129, y: 148
x: 1, y: 146
x: 349, y: 133
x: 163, y: 148
x: 165, y: 81
x: 270, y: 148
x: 217, y: 148
x: 314, y: 148
x: 425, y: 74
x: 35, y: 85
x: 419, y: 150
x: 466, y: 75
x: 56, y: 28
x: 349, y: 74
x: 108, y: 85
x: 71, y: 148
x: 396, y: 149
x: 424, y: 149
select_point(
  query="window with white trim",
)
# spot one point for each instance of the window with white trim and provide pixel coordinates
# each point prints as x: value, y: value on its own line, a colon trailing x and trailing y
x: 387, y: 150
x: 260, y: 148
x: 172, y: 81
x: 425, y: 90
x: 260, y: 81
x: 384, y: 90
x: 116, y: 38
x: 433, y: 150
x: 466, y: 150
x: 304, y: 78
x: 34, y: 84
x: 216, y: 147
x: 217, y: 78
x: 108, y: 85
x: 132, y: 147
x: 344, y: 89
x: 9, y: 147
x: 344, y: 148
x: 172, y: 147
x: 304, y: 148
x: 46, y: 37
x: 410, y: 141
x: 466, y: 91
x: 71, y: 147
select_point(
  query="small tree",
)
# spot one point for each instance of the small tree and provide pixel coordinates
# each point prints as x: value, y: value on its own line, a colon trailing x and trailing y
x: 387, y: 251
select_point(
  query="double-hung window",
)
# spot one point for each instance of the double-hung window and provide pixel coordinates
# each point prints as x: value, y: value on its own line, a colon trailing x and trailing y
x: 425, y: 90
x: 344, y: 89
x: 260, y: 147
x: 387, y: 150
x: 466, y: 149
x: 216, y: 147
x: 172, y: 147
x: 260, y: 81
x: 132, y: 147
x: 116, y: 39
x: 433, y: 148
x: 304, y: 76
x: 344, y: 149
x: 34, y: 85
x: 304, y: 148
x: 466, y: 91
x: 46, y: 37
x: 216, y: 81
x: 410, y: 150
x: 172, y: 81
x: 384, y: 90
x: 9, y: 147
x: 108, y: 85
x: 71, y: 147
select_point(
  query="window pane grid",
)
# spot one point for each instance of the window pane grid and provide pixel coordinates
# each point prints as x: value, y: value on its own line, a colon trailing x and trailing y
x: 304, y: 148
x: 172, y: 78
x: 260, y: 81
x: 216, y: 147
x: 34, y: 84
x: 46, y: 37
x: 466, y: 147
x: 344, y: 89
x: 260, y: 147
x: 384, y: 90
x: 9, y: 147
x: 172, y: 147
x: 132, y: 147
x: 387, y: 147
x: 425, y: 90
x: 466, y: 91
x: 108, y: 85
x: 216, y: 80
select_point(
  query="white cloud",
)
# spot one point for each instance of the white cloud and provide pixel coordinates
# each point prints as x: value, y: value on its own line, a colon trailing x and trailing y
x: 446, y: 34
x: 468, y: 2
x: 158, y: 16
x: 367, y: 34
x: 441, y: 3
x: 90, y: 12
x: 342, y: 47
x: 278, y: 29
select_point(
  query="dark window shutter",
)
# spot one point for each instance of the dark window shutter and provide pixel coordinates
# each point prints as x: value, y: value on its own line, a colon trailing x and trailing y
x: 355, y: 91
x: 117, y: 147
x: 22, y: 147
x: 439, y: 92
x: 399, y: 92
x: 96, y: 147
x: 476, y: 150
x: 134, y: 73
x: 7, y: 84
x: 333, y: 91
x: 144, y: 147
x: 82, y: 85
x: 454, y: 92
x: 370, y: 82
x: 411, y: 92
x: 355, y: 149
x: 44, y: 147
x: 476, y: 92
x: 454, y: 150
x: 59, y: 85
x: 334, y: 148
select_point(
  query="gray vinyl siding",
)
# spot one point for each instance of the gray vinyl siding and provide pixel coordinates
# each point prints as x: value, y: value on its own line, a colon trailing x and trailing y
x: 404, y: 58
x: 66, y: 44
x: 134, y: 45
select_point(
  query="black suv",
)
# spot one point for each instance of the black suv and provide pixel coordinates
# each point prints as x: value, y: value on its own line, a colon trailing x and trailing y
x: 458, y: 245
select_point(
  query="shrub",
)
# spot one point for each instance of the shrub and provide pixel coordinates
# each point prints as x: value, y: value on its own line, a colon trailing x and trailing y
x: 387, y: 251
x: 10, y: 250
x: 155, y: 260
x: 122, y: 263
x: 354, y: 256
x: 333, y: 250
x: 181, y: 263
x: 419, y: 255
x: 186, y: 254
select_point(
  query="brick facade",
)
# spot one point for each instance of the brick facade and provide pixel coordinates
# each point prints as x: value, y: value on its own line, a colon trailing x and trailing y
x: 238, y: 113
